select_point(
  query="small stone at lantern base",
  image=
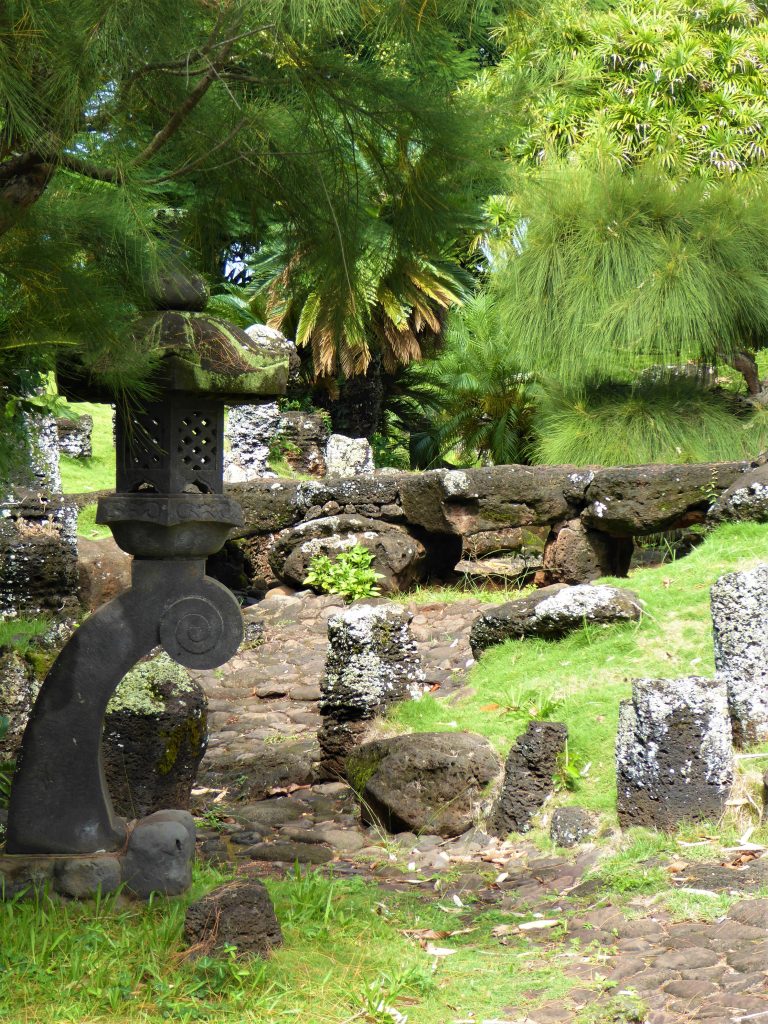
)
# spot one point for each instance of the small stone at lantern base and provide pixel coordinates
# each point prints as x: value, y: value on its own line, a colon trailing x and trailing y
x: 157, y: 858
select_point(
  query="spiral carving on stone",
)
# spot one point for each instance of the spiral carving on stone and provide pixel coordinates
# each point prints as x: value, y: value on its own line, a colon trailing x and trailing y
x: 202, y: 631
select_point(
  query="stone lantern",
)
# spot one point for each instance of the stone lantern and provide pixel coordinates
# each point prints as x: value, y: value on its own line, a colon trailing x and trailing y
x: 169, y: 512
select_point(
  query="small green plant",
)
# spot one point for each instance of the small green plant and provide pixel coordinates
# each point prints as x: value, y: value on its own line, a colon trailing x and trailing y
x: 213, y: 818
x: 350, y: 574
x: 568, y: 772
x: 536, y: 705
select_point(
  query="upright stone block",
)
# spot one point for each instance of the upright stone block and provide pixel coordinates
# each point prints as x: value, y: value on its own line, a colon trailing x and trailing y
x: 674, y: 752
x: 372, y: 662
x: 250, y: 430
x: 740, y: 626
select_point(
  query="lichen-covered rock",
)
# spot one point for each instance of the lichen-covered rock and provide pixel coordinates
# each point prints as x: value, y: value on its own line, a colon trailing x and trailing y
x: 397, y: 556
x: 576, y: 554
x: 745, y: 499
x: 518, y: 540
x: 372, y: 662
x: 75, y: 436
x: 250, y: 430
x: 424, y: 782
x: 571, y: 826
x: 155, y: 735
x: 529, y: 774
x: 271, y: 341
x: 18, y: 689
x: 635, y: 500
x: 740, y: 627
x: 237, y: 914
x: 348, y: 456
x: 674, y: 752
x: 553, y: 612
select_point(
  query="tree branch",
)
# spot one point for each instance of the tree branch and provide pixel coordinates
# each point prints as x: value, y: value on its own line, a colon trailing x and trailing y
x: 88, y: 169
x: 192, y: 165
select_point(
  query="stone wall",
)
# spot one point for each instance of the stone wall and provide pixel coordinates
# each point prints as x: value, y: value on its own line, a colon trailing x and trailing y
x: 459, y: 513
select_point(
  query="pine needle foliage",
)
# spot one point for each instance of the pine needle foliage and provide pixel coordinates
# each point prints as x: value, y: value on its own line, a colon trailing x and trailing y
x: 682, y: 84
x: 613, y: 272
x: 128, y: 127
x: 666, y: 420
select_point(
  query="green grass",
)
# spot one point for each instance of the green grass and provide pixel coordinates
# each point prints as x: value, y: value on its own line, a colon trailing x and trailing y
x: 345, y: 958
x: 87, y: 525
x: 19, y: 633
x: 591, y: 670
x: 79, y: 476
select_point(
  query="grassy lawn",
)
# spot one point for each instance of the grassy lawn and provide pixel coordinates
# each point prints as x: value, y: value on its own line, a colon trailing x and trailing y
x: 581, y: 679
x: 345, y: 959
x: 98, y: 472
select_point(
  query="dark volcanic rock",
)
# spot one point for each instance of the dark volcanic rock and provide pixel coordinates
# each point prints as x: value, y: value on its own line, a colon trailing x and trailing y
x: 576, y: 554
x: 425, y: 782
x: 674, y: 753
x: 633, y: 500
x: 745, y: 499
x: 237, y: 914
x: 528, y: 777
x: 398, y: 557
x: 104, y: 571
x: 553, y: 612
x: 155, y: 735
x: 159, y: 855
x: 473, y: 500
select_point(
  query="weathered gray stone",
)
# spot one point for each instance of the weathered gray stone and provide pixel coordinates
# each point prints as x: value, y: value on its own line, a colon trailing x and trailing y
x: 398, y: 557
x: 269, y: 339
x: 337, y: 741
x: 237, y: 914
x: 519, y: 540
x: 155, y: 735
x: 529, y: 774
x: 740, y: 628
x: 38, y: 556
x: 674, y: 752
x: 75, y: 436
x: 372, y: 661
x: 425, y: 782
x: 348, y: 456
x: 745, y: 499
x: 158, y: 858
x: 104, y: 571
x: 83, y: 877
x: 511, y: 569
x: 552, y: 612
x: 571, y: 826
x: 250, y: 430
x: 576, y: 554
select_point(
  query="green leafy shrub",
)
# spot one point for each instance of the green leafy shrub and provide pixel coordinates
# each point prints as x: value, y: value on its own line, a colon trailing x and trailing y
x: 350, y: 574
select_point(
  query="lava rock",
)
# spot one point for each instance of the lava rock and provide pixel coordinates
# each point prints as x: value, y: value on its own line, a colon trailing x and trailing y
x: 635, y: 500
x: 155, y: 735
x: 372, y: 661
x: 348, y: 456
x: 75, y: 436
x: 291, y: 852
x: 424, y: 782
x: 398, y: 557
x: 250, y: 431
x: 302, y: 438
x: 158, y: 856
x: 745, y: 500
x: 19, y: 687
x: 576, y: 554
x: 238, y: 914
x: 571, y: 826
x: 529, y: 774
x: 469, y: 501
x: 740, y: 626
x: 674, y: 752
x: 552, y: 612
x: 337, y: 740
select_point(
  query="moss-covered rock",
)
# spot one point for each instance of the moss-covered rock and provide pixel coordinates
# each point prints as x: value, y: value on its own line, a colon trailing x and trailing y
x: 155, y: 735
